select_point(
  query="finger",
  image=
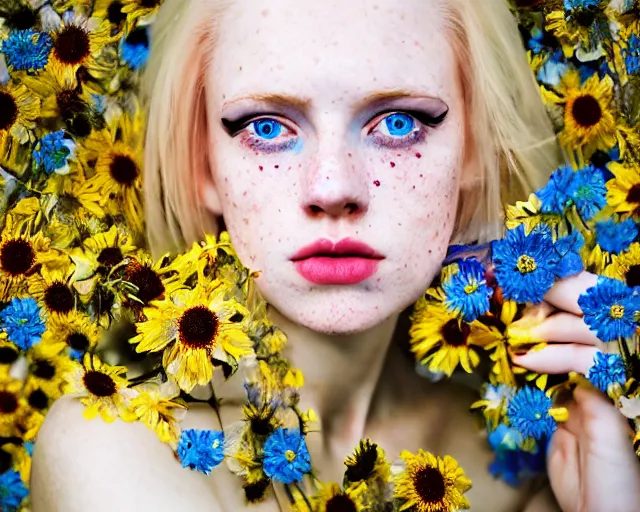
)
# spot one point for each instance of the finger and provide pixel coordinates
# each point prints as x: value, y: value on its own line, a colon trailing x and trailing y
x: 565, y: 328
x: 565, y: 293
x: 554, y: 359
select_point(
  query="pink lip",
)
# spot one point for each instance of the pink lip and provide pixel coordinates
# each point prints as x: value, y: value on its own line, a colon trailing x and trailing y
x: 345, y: 262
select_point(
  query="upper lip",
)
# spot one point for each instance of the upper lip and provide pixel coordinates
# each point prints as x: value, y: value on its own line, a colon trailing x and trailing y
x: 345, y: 247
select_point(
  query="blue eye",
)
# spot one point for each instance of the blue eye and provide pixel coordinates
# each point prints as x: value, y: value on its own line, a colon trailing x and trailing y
x: 267, y: 128
x: 399, y: 124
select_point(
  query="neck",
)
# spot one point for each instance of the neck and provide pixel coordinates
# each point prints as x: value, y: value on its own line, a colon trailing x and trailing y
x: 341, y: 374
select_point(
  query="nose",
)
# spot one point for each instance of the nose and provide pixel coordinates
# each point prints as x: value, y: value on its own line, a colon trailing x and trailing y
x: 336, y: 186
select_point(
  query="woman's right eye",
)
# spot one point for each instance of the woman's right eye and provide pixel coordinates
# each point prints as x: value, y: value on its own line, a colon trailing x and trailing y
x: 269, y: 135
x: 266, y: 128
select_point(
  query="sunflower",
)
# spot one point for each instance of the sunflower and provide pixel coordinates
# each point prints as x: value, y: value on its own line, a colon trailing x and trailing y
x: 578, y: 31
x: 623, y: 192
x: 135, y: 9
x: 366, y: 463
x: 18, y: 112
x: 332, y: 498
x: 21, y: 255
x: 12, y: 406
x: 441, y: 341
x: 589, y: 121
x: 47, y: 367
x: 36, y: 397
x: 431, y: 484
x: 100, y: 387
x: 74, y: 330
x: 77, y: 43
x: 9, y: 354
x: 118, y: 169
x: 158, y: 407
x: 626, y: 266
x: 101, y: 253
x: 192, y: 327
x: 52, y: 291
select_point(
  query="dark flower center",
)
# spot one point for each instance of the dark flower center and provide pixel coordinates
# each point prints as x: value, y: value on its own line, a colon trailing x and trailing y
x: 8, y: 110
x: 254, y: 492
x: 633, y: 196
x: 149, y: 4
x: 138, y: 37
x: 8, y: 402
x: 455, y: 333
x: 80, y: 125
x: 632, y: 277
x: 364, y: 464
x: 72, y: 45
x: 110, y: 256
x: 43, y: 369
x: 78, y: 341
x: 99, y: 384
x: 115, y: 14
x: 17, y: 257
x: 6, y: 461
x: 69, y: 104
x: 429, y: 484
x: 20, y: 19
x: 261, y: 426
x: 58, y: 298
x: 8, y: 355
x: 341, y: 503
x: 585, y: 17
x: 124, y: 170
x: 586, y: 111
x: 38, y: 399
x: 149, y: 284
x: 198, y: 327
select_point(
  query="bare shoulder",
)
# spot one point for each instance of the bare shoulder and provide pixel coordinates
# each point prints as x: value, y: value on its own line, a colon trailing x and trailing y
x: 81, y: 465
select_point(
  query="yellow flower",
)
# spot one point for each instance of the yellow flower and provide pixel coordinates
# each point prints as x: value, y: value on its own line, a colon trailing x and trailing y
x: 441, y: 341
x: 21, y: 460
x: 431, y: 484
x: 623, y: 192
x: 51, y: 289
x: 18, y: 113
x: 75, y: 331
x: 140, y: 8
x: 101, y: 253
x: 158, y: 407
x: 571, y: 33
x: 626, y: 266
x: 100, y: 387
x: 589, y: 120
x: 192, y: 327
x: 333, y: 498
x: 12, y: 406
x: 9, y: 354
x: 47, y: 368
x: 367, y: 463
x: 110, y: 10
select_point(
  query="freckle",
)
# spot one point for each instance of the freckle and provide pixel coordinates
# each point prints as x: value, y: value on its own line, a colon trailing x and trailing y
x: 392, y: 164
x: 260, y: 167
x: 418, y: 155
x: 376, y: 183
x: 429, y: 251
x: 398, y: 154
x: 240, y: 68
x: 349, y: 155
x: 422, y: 175
x: 276, y: 166
x: 414, y: 187
x: 244, y: 193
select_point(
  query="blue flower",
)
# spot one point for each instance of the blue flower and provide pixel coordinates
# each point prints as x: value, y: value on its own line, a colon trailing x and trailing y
x: 609, y: 309
x: 511, y: 463
x: 53, y: 152
x: 286, y: 458
x: 575, y: 5
x: 568, y: 248
x: 12, y: 491
x: 201, y: 450
x: 557, y: 194
x: 22, y: 322
x: 528, y: 412
x: 632, y: 55
x: 607, y: 369
x: 525, y: 265
x: 467, y: 291
x: 27, y: 49
x: 135, y: 48
x: 615, y: 237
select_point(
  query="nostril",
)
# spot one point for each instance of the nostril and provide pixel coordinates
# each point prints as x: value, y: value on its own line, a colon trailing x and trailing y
x: 315, y: 209
x: 351, y: 207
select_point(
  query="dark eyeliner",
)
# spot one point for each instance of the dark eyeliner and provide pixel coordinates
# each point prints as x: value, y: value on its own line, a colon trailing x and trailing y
x: 423, y: 117
x: 233, y: 127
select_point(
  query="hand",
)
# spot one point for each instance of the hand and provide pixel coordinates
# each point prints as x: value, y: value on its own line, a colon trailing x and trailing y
x: 591, y: 463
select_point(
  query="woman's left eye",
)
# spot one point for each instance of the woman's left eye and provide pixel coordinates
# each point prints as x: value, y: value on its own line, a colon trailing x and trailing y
x: 267, y: 128
x: 398, y: 124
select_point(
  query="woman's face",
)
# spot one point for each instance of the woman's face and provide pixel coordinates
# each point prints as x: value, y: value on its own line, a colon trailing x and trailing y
x: 337, y: 152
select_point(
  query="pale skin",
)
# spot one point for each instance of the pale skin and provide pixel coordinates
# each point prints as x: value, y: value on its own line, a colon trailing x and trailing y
x: 337, y: 70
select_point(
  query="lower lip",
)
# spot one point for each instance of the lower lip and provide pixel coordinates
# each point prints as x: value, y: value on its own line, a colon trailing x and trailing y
x: 326, y: 270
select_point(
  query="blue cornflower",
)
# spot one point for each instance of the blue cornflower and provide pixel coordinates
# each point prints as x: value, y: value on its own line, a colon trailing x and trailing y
x: 568, y: 248
x: 511, y: 463
x: 557, y: 194
x: 525, y: 265
x: 615, y: 237
x: 27, y: 49
x: 12, y: 491
x: 53, y: 152
x: 632, y: 55
x: 575, y: 5
x: 528, y: 412
x: 590, y: 194
x: 607, y: 369
x: 286, y: 458
x: 22, y: 322
x: 610, y: 308
x: 467, y: 291
x: 201, y: 450
x: 135, y: 48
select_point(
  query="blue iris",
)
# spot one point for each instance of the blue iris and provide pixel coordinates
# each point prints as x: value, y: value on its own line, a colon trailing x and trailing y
x: 607, y: 369
x: 27, y: 49
x: 610, y: 309
x: 201, y: 450
x: 399, y: 124
x: 267, y: 128
x: 286, y: 458
x: 615, y: 237
x: 528, y: 413
x: 12, y: 491
x: 22, y: 322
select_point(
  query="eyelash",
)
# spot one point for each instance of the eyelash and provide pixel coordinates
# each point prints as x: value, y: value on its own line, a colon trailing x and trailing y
x: 418, y: 134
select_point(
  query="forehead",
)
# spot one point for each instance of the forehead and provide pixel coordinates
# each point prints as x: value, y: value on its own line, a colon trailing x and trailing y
x: 333, y: 48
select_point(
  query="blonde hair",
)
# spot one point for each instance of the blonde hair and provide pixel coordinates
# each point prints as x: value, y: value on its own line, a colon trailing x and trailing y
x: 509, y: 129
